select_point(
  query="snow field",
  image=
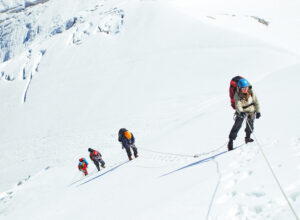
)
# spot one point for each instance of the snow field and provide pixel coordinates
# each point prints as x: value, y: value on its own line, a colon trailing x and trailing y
x: 160, y: 72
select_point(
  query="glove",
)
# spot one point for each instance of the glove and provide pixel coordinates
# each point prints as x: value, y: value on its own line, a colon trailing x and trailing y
x: 258, y: 115
x: 243, y: 114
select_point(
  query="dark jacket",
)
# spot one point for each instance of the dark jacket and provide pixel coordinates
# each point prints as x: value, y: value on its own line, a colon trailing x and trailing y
x: 127, y: 142
x: 95, y: 158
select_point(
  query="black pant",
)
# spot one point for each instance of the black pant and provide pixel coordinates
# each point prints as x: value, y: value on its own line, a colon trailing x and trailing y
x: 96, y: 162
x: 238, y: 124
x: 129, y: 154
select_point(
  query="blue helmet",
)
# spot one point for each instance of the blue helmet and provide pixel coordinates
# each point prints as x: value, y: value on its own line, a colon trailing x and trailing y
x: 243, y: 83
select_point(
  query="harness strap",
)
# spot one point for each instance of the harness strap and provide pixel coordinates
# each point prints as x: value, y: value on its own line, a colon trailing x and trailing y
x: 248, y: 105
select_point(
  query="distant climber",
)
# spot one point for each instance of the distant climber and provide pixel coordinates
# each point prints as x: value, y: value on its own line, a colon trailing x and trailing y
x: 96, y: 157
x: 128, y: 142
x: 247, y: 106
x: 83, y: 165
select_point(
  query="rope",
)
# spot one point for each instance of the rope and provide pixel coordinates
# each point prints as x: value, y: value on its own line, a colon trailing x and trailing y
x: 212, y: 151
x: 216, y: 189
x: 159, y: 152
x: 185, y: 155
x: 272, y: 171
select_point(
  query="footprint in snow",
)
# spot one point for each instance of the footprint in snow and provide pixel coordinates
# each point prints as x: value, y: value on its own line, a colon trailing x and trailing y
x: 294, y: 196
x: 296, y: 143
x: 236, y: 177
x: 257, y: 209
x: 256, y: 194
x: 223, y: 199
x: 245, y: 175
x: 6, y: 196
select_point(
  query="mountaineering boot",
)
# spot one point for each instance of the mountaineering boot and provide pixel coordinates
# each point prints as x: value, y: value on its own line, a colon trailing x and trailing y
x: 130, y: 158
x: 248, y: 140
x: 98, y: 168
x: 134, y: 151
x: 230, y: 145
x: 103, y: 166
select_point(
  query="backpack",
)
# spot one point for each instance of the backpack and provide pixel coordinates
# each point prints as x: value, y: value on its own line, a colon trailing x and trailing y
x: 121, y: 133
x: 232, y: 89
x: 95, y: 155
x: 83, y: 160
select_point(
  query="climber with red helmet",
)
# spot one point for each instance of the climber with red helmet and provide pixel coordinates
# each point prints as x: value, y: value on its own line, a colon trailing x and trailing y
x: 128, y: 142
x: 96, y: 157
x: 83, y: 165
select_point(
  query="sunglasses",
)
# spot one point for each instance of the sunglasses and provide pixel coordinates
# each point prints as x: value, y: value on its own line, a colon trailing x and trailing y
x: 245, y: 89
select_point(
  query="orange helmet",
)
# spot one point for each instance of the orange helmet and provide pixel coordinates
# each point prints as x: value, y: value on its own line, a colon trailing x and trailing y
x: 127, y: 134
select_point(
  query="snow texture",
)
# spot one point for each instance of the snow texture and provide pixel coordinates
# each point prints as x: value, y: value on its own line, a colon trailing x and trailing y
x: 72, y: 73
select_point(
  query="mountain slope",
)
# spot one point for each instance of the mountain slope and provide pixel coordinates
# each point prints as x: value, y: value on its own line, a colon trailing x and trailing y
x: 165, y: 76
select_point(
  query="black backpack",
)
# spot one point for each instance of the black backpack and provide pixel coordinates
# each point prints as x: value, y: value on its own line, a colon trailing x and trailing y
x: 121, y: 133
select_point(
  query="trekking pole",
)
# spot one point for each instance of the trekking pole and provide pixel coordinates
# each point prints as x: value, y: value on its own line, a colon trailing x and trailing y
x: 272, y: 171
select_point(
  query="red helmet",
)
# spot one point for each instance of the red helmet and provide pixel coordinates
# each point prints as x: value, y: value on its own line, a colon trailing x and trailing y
x: 81, y: 159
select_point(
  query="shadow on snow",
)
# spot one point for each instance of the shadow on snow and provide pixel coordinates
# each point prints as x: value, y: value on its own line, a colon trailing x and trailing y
x: 198, y: 162
x: 110, y: 170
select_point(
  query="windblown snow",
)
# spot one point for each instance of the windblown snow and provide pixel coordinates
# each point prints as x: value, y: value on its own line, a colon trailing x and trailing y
x: 72, y: 73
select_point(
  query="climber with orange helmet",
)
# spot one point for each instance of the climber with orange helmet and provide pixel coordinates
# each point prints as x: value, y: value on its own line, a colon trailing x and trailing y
x: 83, y: 165
x: 96, y: 157
x: 128, y: 142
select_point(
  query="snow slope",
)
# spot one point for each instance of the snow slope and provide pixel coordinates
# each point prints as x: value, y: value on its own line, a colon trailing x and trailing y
x: 162, y: 71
